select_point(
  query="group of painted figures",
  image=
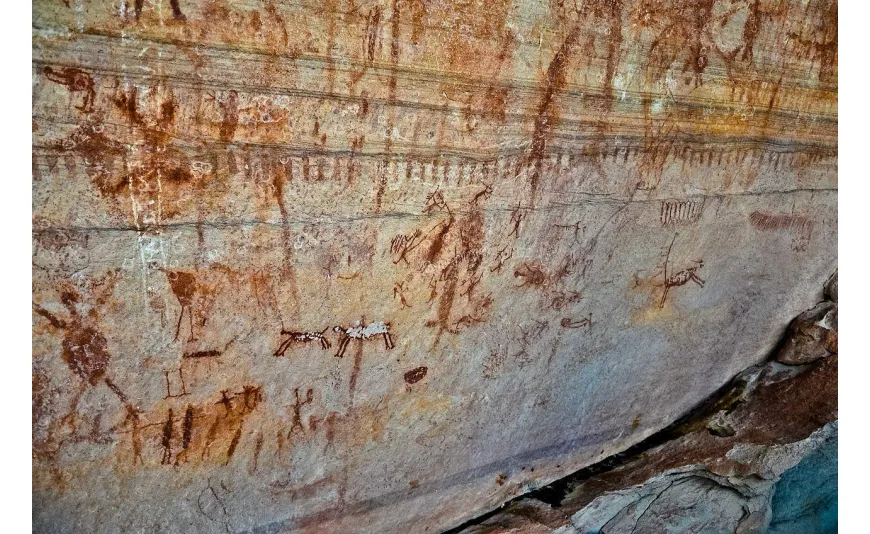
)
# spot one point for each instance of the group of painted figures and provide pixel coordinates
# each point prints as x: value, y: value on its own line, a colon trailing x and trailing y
x: 358, y: 331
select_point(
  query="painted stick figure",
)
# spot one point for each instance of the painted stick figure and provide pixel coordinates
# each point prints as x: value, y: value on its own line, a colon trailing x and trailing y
x: 516, y: 219
x: 399, y: 290
x: 84, y: 350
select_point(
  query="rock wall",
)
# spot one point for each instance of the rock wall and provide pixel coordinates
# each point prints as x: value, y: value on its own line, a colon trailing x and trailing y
x: 381, y: 266
x: 759, y: 457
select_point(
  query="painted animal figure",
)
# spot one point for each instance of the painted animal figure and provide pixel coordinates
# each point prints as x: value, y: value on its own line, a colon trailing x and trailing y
x: 567, y: 322
x: 532, y: 275
x: 77, y: 81
x: 682, y: 278
x: 358, y: 331
x: 183, y: 285
x: 302, y: 337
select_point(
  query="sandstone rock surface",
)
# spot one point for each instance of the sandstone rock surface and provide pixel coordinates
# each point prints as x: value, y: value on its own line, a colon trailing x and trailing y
x: 760, y: 458
x: 812, y: 335
x: 379, y: 266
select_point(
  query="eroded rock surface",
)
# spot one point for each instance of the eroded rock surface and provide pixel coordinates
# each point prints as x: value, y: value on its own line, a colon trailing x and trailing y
x: 759, y: 457
x: 382, y: 266
x: 812, y: 335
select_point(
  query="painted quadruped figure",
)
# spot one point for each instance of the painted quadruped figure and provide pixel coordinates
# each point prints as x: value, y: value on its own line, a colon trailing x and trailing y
x: 683, y: 277
x: 679, y: 278
x: 358, y: 331
x: 302, y: 337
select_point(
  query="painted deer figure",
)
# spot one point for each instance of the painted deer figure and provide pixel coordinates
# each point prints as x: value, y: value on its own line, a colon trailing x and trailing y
x: 358, y: 331
x: 302, y: 337
x: 682, y: 278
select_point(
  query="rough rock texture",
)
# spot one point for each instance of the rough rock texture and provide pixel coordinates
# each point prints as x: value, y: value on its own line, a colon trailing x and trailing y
x: 812, y: 335
x: 380, y: 266
x: 805, y: 498
x: 760, y: 457
x: 831, y: 287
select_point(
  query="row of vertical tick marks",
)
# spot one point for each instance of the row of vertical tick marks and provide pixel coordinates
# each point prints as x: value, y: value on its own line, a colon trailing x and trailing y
x: 678, y: 212
x: 345, y: 335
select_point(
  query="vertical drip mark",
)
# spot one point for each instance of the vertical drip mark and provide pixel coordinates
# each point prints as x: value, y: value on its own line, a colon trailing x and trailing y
x: 357, y: 365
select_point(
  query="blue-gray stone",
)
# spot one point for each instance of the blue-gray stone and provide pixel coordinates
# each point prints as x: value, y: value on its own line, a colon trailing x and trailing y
x: 805, y: 498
